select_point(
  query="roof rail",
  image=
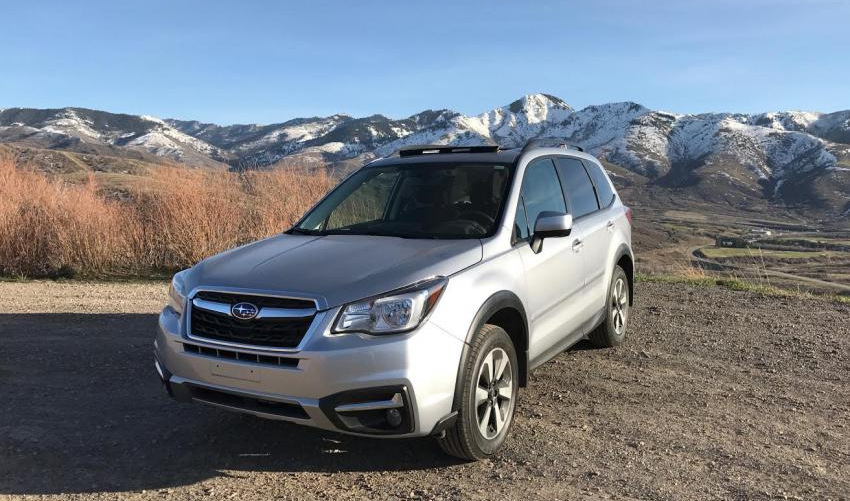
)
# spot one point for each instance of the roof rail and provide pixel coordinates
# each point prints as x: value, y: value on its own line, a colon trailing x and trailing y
x: 431, y: 149
x: 549, y: 142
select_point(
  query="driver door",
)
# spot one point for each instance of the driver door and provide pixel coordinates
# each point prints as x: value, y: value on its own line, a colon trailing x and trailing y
x: 554, y: 275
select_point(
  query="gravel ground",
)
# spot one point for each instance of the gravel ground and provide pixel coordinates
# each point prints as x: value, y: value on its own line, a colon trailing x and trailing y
x: 716, y: 395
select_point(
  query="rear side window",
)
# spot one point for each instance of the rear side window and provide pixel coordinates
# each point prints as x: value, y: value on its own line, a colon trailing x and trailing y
x: 541, y: 191
x: 577, y: 186
x: 603, y: 186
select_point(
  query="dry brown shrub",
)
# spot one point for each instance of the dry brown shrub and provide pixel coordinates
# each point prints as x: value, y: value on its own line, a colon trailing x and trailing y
x: 186, y: 215
x: 279, y: 197
x: 180, y: 216
x: 48, y: 227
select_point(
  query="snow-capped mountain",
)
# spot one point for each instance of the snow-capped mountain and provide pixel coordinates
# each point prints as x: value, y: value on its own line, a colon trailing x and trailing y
x: 794, y: 157
x: 94, y: 131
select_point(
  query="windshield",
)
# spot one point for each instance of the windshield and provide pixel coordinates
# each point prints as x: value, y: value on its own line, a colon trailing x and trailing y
x: 440, y: 200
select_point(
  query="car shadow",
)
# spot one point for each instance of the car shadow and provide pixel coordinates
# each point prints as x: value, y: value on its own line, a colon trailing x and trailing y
x: 583, y: 345
x: 82, y: 410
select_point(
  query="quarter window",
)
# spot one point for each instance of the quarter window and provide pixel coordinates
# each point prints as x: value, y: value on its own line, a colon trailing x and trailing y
x: 577, y: 186
x: 520, y: 224
x: 541, y: 191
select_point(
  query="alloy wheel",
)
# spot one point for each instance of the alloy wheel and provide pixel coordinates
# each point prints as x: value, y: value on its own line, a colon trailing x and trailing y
x: 494, y: 393
x: 619, y: 305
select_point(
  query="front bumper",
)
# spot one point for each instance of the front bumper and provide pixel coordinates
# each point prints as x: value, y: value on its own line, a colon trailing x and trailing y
x: 397, y: 385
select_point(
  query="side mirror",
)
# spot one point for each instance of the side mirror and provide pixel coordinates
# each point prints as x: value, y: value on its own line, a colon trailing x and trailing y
x: 550, y: 225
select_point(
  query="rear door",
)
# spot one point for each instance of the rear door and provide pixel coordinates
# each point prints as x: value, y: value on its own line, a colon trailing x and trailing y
x: 593, y: 224
x: 555, y: 275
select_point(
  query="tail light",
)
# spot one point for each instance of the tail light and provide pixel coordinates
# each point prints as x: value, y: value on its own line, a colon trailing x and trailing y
x: 629, y: 214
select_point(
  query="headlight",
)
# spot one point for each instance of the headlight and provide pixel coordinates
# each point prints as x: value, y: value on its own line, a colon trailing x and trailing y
x: 176, y: 293
x: 394, y: 312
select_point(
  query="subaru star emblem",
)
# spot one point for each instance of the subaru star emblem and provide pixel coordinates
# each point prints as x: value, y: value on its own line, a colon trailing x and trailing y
x: 244, y: 311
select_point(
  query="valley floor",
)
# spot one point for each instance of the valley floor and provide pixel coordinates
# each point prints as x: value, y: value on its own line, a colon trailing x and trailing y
x: 718, y: 394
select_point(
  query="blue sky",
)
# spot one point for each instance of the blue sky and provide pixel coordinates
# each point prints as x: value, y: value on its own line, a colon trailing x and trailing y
x: 261, y: 62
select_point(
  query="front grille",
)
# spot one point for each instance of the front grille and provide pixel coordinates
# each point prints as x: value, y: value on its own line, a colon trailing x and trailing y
x: 276, y: 332
x: 259, y: 301
x: 241, y: 356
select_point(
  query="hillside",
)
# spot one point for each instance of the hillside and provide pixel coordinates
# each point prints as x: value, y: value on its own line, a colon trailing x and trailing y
x: 798, y: 160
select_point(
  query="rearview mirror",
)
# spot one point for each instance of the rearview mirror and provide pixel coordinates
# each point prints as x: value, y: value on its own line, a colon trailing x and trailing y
x: 550, y: 225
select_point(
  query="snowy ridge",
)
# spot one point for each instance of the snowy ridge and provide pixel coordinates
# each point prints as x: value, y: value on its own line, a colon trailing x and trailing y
x: 772, y: 152
x: 77, y: 125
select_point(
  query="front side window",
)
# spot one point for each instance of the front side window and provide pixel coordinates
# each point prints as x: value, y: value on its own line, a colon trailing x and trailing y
x: 541, y: 190
x: 577, y: 186
x: 441, y: 200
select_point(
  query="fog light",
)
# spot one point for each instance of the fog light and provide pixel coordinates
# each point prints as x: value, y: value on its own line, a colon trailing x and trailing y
x: 394, y: 418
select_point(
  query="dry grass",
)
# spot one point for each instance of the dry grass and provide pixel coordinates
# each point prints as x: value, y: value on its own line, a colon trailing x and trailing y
x: 689, y: 270
x: 51, y: 228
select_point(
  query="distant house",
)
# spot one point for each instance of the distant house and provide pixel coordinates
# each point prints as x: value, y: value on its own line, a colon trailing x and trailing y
x: 730, y: 241
x: 761, y: 231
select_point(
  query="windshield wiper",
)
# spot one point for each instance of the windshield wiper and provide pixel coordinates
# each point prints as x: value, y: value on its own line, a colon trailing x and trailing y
x: 371, y: 233
x: 302, y: 231
x: 343, y: 231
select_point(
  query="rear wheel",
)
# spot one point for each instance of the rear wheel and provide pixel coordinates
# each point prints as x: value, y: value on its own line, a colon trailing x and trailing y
x: 488, y: 398
x: 612, y: 331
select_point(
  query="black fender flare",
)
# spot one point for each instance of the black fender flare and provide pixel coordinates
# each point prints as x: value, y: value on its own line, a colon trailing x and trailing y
x: 624, y: 250
x: 496, y: 302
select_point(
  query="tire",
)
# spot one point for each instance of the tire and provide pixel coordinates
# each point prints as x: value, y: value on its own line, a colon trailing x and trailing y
x: 612, y: 331
x: 467, y: 438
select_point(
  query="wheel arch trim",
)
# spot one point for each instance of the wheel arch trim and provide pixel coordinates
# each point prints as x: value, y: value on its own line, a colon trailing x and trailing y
x: 624, y: 251
x: 496, y: 302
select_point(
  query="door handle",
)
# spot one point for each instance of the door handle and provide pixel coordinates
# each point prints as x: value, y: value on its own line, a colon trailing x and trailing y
x: 577, y: 245
x: 610, y: 226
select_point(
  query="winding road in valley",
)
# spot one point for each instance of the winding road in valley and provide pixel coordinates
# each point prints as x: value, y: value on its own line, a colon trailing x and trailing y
x: 697, y: 256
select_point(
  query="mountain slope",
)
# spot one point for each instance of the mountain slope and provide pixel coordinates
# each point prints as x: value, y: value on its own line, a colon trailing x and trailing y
x: 801, y: 159
x: 84, y: 130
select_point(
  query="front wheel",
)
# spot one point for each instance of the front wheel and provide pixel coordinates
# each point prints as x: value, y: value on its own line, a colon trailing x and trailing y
x: 488, y: 400
x: 612, y: 331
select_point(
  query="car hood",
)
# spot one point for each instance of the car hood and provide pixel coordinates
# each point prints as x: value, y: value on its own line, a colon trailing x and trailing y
x: 334, y: 269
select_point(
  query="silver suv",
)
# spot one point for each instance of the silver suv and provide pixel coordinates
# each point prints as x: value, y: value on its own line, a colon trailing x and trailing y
x: 414, y: 299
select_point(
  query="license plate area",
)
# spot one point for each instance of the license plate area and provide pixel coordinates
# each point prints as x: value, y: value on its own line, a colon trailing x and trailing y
x: 235, y: 371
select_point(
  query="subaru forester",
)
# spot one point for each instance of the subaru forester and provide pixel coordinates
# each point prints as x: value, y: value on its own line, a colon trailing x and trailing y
x: 414, y: 299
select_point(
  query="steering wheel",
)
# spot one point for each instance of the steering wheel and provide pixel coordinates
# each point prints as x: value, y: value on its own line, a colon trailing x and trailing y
x: 478, y: 216
x: 462, y: 227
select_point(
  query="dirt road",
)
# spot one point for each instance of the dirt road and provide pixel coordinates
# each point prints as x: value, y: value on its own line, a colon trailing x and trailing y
x: 717, y: 395
x: 712, y: 264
